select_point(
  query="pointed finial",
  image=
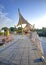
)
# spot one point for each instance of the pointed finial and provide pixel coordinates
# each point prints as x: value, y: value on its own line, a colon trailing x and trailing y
x: 19, y: 12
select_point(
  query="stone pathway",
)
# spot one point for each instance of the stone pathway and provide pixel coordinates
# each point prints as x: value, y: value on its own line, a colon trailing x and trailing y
x: 21, y: 52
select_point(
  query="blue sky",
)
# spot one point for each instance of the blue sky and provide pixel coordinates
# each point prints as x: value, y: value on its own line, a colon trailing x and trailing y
x: 32, y: 10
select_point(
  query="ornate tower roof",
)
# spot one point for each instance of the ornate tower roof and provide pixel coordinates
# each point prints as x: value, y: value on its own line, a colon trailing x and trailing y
x: 21, y: 19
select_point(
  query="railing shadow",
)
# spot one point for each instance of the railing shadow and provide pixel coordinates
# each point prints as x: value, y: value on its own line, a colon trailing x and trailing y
x: 38, y: 60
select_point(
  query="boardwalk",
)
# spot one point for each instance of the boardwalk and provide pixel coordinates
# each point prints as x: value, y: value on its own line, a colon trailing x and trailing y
x: 21, y: 51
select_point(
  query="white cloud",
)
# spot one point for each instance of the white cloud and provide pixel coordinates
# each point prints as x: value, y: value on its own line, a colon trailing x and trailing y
x: 2, y: 7
x: 39, y: 22
x: 4, y: 20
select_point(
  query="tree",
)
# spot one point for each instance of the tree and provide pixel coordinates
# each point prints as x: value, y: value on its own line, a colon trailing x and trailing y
x: 19, y: 28
x: 12, y: 29
x: 5, y: 28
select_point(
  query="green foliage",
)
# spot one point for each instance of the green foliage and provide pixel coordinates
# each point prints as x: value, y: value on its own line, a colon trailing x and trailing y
x: 12, y: 29
x: 19, y: 28
x: 1, y: 33
x: 5, y: 28
x: 41, y: 32
x: 19, y: 31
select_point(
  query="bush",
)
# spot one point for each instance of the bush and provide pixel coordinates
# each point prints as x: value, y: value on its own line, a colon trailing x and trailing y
x: 1, y: 33
x: 19, y: 31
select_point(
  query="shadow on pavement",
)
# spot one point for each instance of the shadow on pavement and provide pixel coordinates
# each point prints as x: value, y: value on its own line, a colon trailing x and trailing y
x: 34, y: 49
x: 6, y: 63
x: 38, y: 60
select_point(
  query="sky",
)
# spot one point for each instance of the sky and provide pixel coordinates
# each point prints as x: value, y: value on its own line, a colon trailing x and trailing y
x: 34, y: 11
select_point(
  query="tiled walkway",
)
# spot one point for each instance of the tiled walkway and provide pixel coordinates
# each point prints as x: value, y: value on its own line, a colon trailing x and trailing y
x: 21, y: 52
